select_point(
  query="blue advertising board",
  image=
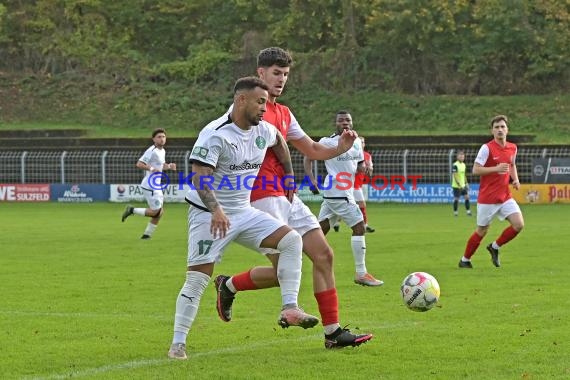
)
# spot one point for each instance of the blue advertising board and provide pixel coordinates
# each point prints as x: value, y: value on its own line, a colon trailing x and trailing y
x: 83, y: 193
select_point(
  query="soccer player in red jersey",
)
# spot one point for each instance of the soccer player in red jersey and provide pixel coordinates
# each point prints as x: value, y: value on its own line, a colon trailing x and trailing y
x: 273, y: 66
x: 495, y: 163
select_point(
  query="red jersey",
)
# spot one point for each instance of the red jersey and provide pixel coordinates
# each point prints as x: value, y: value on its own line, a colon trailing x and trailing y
x: 268, y: 181
x: 494, y: 187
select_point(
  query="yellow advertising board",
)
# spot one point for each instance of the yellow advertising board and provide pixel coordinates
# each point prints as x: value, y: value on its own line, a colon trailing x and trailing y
x: 542, y: 193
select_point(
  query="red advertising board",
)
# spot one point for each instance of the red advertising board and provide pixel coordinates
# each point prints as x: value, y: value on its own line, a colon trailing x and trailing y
x: 21, y: 192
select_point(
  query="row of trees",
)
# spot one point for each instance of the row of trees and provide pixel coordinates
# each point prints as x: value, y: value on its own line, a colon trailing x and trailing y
x: 414, y: 46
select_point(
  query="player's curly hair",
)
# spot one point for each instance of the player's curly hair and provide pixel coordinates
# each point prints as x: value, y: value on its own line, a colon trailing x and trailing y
x: 274, y: 56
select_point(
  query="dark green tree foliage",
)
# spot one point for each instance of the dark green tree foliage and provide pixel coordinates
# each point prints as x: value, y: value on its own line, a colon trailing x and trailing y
x: 413, y: 46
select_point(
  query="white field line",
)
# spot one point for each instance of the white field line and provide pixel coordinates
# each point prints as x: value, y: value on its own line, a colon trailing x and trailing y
x: 159, y: 362
x: 79, y: 315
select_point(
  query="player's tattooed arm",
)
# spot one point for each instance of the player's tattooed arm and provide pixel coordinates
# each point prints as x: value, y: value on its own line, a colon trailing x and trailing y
x: 281, y: 150
x: 203, y: 188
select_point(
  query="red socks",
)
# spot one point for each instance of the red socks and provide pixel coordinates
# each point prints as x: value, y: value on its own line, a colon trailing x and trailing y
x: 508, y: 234
x: 328, y: 306
x: 243, y: 281
x: 472, y: 245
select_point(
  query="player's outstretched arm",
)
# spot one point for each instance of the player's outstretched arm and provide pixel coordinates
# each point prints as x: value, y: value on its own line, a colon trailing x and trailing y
x: 317, y: 151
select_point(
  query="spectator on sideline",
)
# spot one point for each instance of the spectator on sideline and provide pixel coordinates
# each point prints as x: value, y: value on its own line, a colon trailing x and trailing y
x: 459, y: 183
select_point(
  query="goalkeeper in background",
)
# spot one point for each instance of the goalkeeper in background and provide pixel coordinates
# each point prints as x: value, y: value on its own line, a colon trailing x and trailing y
x: 459, y: 183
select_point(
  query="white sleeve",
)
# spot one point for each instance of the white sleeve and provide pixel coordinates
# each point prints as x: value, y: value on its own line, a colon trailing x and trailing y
x: 271, y: 133
x: 295, y: 132
x: 483, y: 155
x: 207, y: 149
x: 327, y: 141
x: 359, y: 150
x: 147, y: 155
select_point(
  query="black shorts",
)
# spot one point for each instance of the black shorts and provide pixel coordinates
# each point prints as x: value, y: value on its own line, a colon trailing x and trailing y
x: 457, y: 192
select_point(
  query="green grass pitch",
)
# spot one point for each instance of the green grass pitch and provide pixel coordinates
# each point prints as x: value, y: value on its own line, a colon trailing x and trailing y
x: 83, y: 297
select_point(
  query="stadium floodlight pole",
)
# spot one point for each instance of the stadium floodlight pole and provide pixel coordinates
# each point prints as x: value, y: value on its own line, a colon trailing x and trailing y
x: 450, y: 161
x: 405, y: 163
x: 23, y: 166
x: 186, y: 161
x: 103, y: 166
x: 62, y: 163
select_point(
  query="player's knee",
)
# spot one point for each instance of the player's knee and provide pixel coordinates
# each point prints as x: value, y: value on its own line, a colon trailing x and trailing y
x: 518, y: 226
x: 323, y: 258
x: 358, y: 229
x: 482, y: 230
x: 157, y: 213
x: 291, y: 239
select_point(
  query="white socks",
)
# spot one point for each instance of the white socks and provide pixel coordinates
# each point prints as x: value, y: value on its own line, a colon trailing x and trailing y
x: 150, y: 229
x: 358, y: 244
x: 187, y: 304
x: 289, y: 266
x: 139, y: 211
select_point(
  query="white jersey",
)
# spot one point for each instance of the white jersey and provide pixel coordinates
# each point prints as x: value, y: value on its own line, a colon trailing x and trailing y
x: 155, y: 157
x: 341, y: 170
x: 236, y: 156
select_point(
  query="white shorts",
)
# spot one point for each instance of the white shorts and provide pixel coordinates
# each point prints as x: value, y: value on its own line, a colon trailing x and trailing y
x: 247, y: 228
x: 154, y: 198
x: 333, y: 209
x: 296, y: 215
x: 486, y: 212
x: 358, y: 194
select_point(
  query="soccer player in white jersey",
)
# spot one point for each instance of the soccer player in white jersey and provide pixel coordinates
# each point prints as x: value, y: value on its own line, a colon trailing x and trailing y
x: 152, y: 161
x: 225, y: 162
x: 338, y: 196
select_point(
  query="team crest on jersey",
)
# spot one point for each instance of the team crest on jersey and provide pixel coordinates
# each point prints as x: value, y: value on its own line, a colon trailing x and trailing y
x: 356, y: 146
x: 200, y: 151
x: 260, y: 142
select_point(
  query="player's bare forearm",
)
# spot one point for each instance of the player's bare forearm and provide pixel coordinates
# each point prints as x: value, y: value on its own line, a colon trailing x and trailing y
x: 282, y: 153
x: 514, y: 173
x: 144, y: 166
x: 320, y: 152
x: 205, y: 192
x: 308, y: 166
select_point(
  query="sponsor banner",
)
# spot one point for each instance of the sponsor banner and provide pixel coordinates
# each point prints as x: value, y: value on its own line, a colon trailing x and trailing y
x: 79, y: 193
x: 307, y: 196
x: 20, y: 192
x: 551, y: 170
x: 423, y: 193
x: 135, y: 193
x: 542, y: 193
